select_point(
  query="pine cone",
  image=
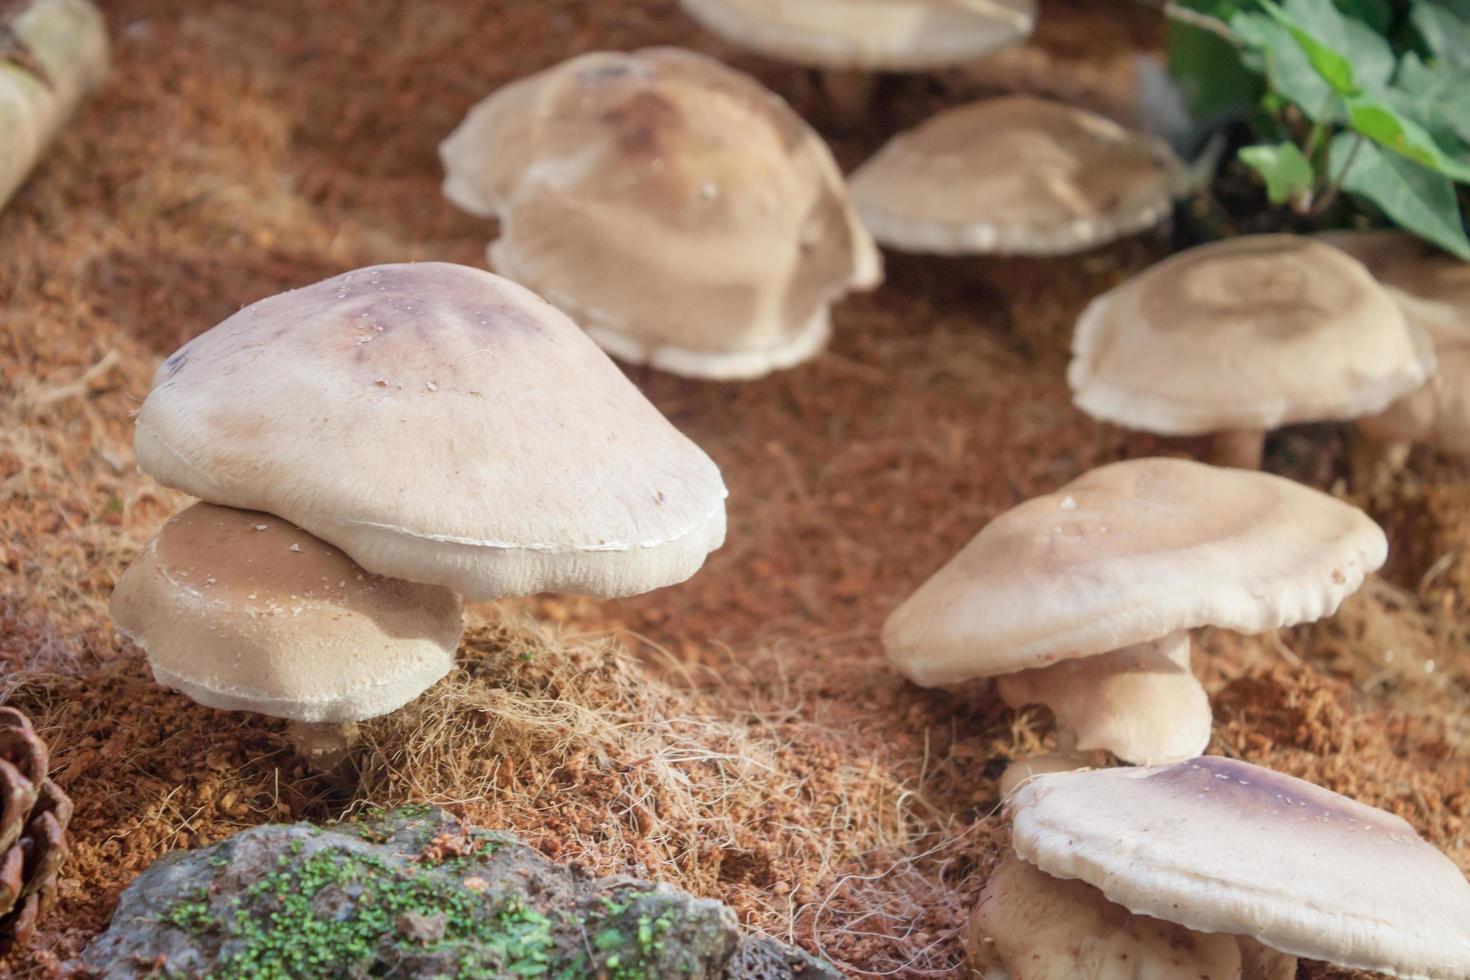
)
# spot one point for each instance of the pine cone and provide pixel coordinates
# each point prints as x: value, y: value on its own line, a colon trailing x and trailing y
x: 33, y: 816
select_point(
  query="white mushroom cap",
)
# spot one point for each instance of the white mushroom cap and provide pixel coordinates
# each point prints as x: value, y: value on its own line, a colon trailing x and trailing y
x: 1250, y: 333
x: 1017, y: 175
x: 877, y: 35
x: 1031, y: 925
x: 438, y: 424
x: 1434, y: 291
x: 1129, y: 553
x: 682, y: 214
x: 1224, y: 846
x: 242, y: 611
x: 1141, y: 703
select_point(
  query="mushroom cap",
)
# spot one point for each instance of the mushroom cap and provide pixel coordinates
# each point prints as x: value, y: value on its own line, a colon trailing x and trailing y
x: 242, y: 611
x: 1250, y: 333
x: 1029, y: 924
x: 1017, y: 175
x: 1225, y: 846
x: 1433, y: 289
x: 1438, y: 413
x: 1141, y: 703
x: 685, y: 216
x: 1432, y: 286
x: 1126, y: 554
x: 438, y: 424
x: 876, y: 35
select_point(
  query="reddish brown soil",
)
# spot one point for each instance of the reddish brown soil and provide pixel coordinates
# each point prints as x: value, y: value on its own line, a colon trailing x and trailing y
x: 240, y: 149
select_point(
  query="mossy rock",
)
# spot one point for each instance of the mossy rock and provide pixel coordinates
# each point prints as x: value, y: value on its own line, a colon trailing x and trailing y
x: 414, y: 894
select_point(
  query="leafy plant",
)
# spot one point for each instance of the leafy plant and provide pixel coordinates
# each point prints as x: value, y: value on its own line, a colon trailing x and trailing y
x: 1370, y: 98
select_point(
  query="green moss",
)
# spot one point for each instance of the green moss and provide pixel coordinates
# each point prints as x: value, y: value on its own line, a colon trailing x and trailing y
x: 288, y: 924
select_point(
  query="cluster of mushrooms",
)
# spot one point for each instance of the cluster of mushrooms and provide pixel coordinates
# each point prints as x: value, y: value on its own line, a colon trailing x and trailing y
x: 374, y: 447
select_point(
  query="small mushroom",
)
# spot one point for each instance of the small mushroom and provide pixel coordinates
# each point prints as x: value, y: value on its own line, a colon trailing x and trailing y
x: 1242, y: 336
x: 1433, y: 289
x: 438, y: 424
x: 850, y: 39
x: 1081, y: 599
x: 243, y: 611
x: 1218, y: 869
x: 685, y: 216
x: 1015, y: 175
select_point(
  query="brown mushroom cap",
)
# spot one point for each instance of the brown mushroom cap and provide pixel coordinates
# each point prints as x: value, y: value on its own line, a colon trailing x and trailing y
x: 682, y: 214
x: 1126, y: 554
x: 1029, y: 924
x: 1227, y: 847
x: 877, y: 35
x: 1015, y: 175
x: 1433, y: 289
x: 1251, y: 333
x: 438, y: 424
x: 242, y: 611
x: 1433, y: 286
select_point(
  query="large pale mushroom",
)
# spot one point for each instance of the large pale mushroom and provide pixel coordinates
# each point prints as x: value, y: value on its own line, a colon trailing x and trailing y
x: 1160, y: 872
x: 441, y: 425
x: 1242, y: 336
x: 850, y: 39
x: 1015, y: 175
x: 242, y: 611
x: 59, y: 53
x: 1433, y: 288
x: 1081, y: 599
x: 686, y: 217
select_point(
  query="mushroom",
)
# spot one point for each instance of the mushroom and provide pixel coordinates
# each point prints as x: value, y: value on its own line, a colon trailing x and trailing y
x: 58, y: 52
x: 242, y: 611
x: 1241, y: 336
x: 441, y: 425
x: 1433, y: 289
x: 1081, y: 599
x: 1113, y: 862
x: 1015, y: 175
x: 850, y: 39
x: 686, y: 217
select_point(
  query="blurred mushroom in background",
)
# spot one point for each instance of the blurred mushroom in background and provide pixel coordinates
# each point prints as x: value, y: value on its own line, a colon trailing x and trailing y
x: 685, y: 216
x: 1015, y: 175
x: 849, y: 40
x: 1433, y: 289
x: 1242, y: 336
x: 1082, y: 599
x: 52, y: 53
x: 1216, y: 869
x: 244, y: 612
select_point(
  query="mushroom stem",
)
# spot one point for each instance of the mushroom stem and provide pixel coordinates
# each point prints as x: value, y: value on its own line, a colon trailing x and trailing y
x: 1241, y: 448
x: 1260, y: 962
x: 850, y: 92
x: 1375, y: 463
x: 1066, y: 759
x: 324, y: 744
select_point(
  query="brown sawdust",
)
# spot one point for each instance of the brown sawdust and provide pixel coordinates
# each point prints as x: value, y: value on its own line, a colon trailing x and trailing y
x: 739, y: 735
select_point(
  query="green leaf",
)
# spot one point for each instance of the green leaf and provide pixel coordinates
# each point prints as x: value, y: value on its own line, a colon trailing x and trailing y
x: 1287, y: 172
x: 1209, y: 72
x: 1437, y: 97
x: 1446, y: 33
x: 1269, y: 47
x: 1377, y: 14
x: 1382, y: 123
x: 1333, y: 66
x: 1416, y: 198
